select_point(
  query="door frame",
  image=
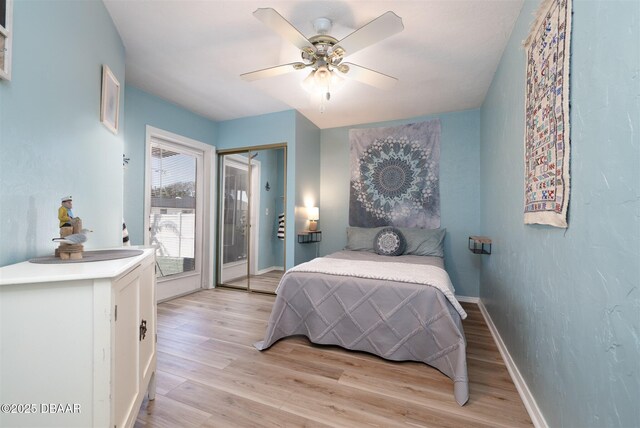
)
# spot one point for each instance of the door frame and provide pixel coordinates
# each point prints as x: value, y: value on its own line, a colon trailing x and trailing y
x: 220, y: 170
x: 208, y: 194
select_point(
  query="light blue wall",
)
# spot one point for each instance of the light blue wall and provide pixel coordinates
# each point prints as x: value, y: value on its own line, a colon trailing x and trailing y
x: 145, y: 109
x: 280, y: 208
x: 273, y: 128
x: 307, y: 181
x: 51, y: 140
x: 459, y: 191
x: 271, y: 249
x: 567, y: 302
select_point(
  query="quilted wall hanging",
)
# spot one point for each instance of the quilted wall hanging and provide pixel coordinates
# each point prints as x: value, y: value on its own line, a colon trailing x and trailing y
x: 547, y: 141
x: 395, y: 176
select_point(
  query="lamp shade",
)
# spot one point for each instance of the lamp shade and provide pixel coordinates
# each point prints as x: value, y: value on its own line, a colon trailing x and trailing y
x: 314, y: 213
x: 321, y: 81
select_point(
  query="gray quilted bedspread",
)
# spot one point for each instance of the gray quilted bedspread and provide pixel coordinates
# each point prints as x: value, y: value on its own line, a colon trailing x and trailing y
x: 395, y: 320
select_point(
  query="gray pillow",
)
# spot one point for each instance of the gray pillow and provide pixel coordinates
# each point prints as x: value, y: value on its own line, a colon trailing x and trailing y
x: 389, y: 242
x: 361, y: 238
x: 424, y: 242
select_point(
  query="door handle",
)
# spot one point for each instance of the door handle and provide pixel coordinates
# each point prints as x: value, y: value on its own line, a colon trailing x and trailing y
x: 143, y: 329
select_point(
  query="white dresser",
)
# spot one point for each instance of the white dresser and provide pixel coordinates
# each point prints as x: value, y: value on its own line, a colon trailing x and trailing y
x: 77, y: 342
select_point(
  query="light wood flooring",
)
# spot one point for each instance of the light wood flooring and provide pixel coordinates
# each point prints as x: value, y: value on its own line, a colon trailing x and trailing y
x: 265, y: 283
x: 210, y: 375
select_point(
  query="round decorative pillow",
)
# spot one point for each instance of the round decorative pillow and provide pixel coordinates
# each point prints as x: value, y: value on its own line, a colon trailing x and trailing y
x: 389, y: 242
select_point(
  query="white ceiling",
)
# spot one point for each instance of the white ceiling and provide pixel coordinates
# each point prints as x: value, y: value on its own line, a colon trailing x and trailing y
x: 193, y: 52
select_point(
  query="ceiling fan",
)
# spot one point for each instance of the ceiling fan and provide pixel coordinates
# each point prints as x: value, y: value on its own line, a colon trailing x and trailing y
x: 324, y: 54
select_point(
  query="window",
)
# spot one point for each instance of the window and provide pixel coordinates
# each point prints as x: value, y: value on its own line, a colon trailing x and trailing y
x: 173, y: 205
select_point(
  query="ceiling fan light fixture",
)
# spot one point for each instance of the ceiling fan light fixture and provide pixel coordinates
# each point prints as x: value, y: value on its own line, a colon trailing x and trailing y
x: 309, y: 83
x: 323, y: 76
x: 337, y: 81
x: 322, y: 80
x: 320, y: 83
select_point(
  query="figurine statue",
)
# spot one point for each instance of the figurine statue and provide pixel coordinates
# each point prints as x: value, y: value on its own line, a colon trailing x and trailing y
x: 70, y: 227
x: 65, y: 214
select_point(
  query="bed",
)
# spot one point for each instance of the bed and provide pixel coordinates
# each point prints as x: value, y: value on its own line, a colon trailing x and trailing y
x: 400, y: 308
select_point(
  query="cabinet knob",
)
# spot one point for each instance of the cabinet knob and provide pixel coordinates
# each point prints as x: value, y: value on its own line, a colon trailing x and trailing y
x: 143, y: 329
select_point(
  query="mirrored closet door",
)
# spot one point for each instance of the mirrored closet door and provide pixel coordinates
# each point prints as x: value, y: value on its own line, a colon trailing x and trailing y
x: 251, y: 218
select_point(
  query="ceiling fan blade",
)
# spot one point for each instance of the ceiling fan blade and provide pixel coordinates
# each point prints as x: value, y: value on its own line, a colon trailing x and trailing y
x: 370, y: 77
x: 384, y: 26
x: 273, y: 71
x: 277, y: 23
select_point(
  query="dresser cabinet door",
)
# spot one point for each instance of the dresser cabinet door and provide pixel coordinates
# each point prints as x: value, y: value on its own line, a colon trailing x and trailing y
x: 147, y: 322
x: 126, y: 376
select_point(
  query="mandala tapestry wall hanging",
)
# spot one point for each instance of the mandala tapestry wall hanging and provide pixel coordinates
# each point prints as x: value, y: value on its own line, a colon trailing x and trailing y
x: 395, y: 176
x: 546, y: 163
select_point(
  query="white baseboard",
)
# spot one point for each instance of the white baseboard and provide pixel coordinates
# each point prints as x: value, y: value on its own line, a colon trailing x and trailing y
x: 468, y: 299
x: 525, y: 394
x: 269, y: 269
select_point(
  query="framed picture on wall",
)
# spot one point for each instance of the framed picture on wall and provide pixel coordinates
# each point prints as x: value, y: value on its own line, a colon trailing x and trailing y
x: 110, y: 100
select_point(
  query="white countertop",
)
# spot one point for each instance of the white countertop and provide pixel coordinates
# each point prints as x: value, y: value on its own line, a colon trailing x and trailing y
x: 29, y: 273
